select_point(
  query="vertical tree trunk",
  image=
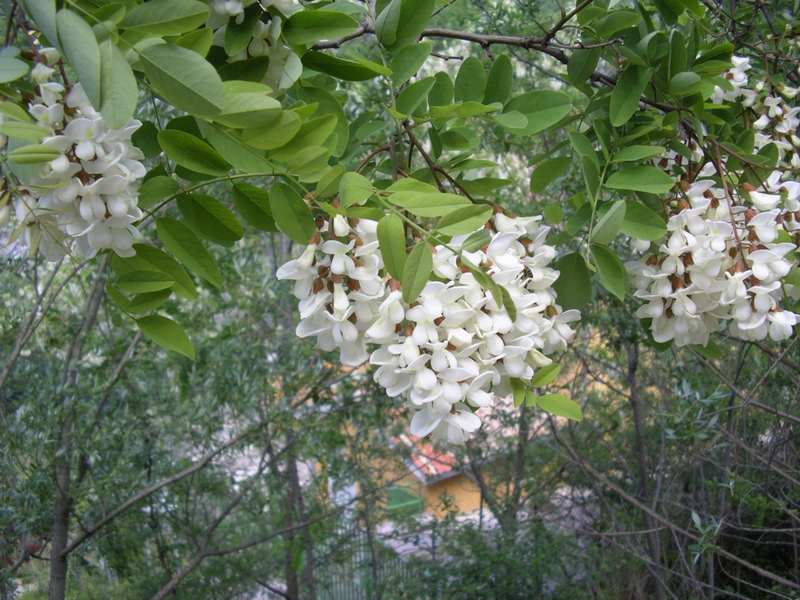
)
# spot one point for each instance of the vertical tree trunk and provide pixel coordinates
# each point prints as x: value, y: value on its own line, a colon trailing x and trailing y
x: 308, y: 572
x: 59, y: 536
x: 653, y: 543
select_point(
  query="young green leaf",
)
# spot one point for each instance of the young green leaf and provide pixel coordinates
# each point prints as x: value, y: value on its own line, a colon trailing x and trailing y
x: 142, y: 303
x: 167, y: 334
x: 428, y: 204
x: 417, y: 271
x: 354, y: 188
x: 546, y: 375
x: 464, y: 220
x: 144, y: 281
x: 641, y: 179
x: 184, y: 78
x: 561, y: 406
x: 79, y: 47
x: 392, y: 241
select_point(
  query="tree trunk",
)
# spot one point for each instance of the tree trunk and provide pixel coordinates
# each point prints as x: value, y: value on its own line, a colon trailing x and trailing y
x: 653, y: 543
x: 59, y: 536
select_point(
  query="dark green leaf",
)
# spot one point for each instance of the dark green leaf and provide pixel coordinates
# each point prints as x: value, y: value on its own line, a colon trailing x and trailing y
x: 612, y: 273
x: 407, y: 61
x: 574, y: 284
x: 309, y: 26
x: 192, y: 153
x: 210, y: 218
x: 291, y: 213
x: 548, y: 171
x: 253, y: 204
x: 625, y: 97
x: 185, y: 245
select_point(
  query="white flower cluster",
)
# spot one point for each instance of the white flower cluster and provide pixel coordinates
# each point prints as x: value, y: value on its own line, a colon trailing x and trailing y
x: 454, y: 347
x: 729, y: 244
x: 85, y: 200
x: 285, y: 66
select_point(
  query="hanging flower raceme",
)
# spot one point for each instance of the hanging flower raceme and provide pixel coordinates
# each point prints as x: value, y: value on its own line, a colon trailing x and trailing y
x: 729, y: 242
x: 451, y: 350
x: 85, y: 199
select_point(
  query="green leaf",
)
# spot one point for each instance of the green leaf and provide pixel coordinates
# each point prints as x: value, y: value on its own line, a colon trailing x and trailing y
x: 408, y: 61
x: 239, y: 33
x: 347, y: 70
x: 519, y: 390
x: 545, y: 375
x: 637, y: 153
x: 144, y: 281
x: 402, y: 22
x: 642, y: 223
x: 581, y: 144
x: 470, y: 81
x: 184, y: 79
x: 442, y: 92
x: 310, y: 26
x: 415, y: 94
x: 641, y: 179
x: 328, y: 184
x: 607, y: 227
x: 43, y: 14
x: 392, y: 242
x: 625, y: 97
x: 710, y: 350
x: 79, y: 47
x: 543, y: 109
x: 548, y: 171
x: 167, y: 334
x: 612, y: 273
x: 510, y: 120
x: 24, y: 131
x: 187, y: 247
x: 34, y: 153
x: 417, y: 271
x: 119, y: 91
x: 210, y: 218
x: 198, y: 41
x: 553, y: 213
x: 499, y: 81
x: 157, y: 189
x: 245, y: 110
x: 276, y: 134
x: 428, y: 204
x: 150, y: 257
x: 309, y: 160
x: 561, y: 406
x: 354, y: 188
x: 12, y: 69
x: 192, y: 152
x: 477, y: 241
x: 685, y: 83
x: 166, y: 17
x: 581, y: 65
x: 311, y: 133
x: 253, y: 204
x: 574, y: 284
x: 793, y: 277
x: 464, y: 220
x: 15, y: 112
x: 615, y: 21
x: 142, y: 303
x: 291, y: 213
